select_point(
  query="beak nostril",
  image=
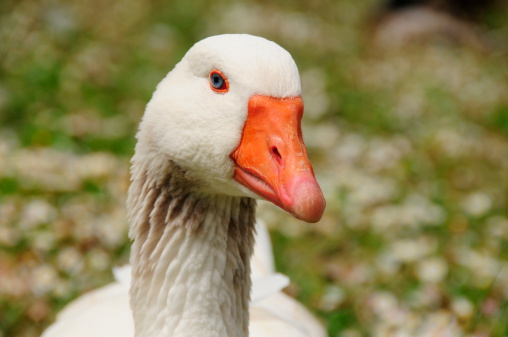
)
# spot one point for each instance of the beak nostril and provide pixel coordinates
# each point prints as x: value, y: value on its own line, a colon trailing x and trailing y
x: 276, y: 155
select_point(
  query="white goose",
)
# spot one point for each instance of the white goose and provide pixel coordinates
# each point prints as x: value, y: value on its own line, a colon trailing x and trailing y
x: 222, y: 129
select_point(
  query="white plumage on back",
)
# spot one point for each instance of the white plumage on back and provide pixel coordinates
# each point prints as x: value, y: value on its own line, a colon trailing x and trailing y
x: 105, y: 312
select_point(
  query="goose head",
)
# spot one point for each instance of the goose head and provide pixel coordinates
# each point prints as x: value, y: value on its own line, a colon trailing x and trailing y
x: 229, y: 116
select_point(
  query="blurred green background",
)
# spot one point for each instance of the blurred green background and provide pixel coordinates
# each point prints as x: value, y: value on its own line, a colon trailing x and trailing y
x: 407, y: 129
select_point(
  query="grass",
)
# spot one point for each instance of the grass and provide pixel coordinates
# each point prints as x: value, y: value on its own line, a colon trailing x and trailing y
x: 409, y: 144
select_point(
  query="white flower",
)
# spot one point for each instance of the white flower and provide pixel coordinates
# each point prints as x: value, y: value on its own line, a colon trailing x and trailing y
x: 44, y: 279
x: 70, y: 260
x: 431, y: 270
x: 477, y: 204
x: 332, y: 298
x: 462, y: 307
x: 407, y: 250
x: 36, y: 212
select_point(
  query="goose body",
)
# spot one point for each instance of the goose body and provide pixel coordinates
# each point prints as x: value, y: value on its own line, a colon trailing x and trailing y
x: 221, y: 130
x: 105, y: 312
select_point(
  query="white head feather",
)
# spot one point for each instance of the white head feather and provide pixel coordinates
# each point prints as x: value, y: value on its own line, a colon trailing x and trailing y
x: 197, y: 127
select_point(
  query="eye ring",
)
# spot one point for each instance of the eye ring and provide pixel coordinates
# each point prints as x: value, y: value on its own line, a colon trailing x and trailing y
x: 218, y: 82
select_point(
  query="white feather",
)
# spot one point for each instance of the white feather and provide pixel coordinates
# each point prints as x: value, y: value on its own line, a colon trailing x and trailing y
x: 105, y: 312
x: 197, y: 129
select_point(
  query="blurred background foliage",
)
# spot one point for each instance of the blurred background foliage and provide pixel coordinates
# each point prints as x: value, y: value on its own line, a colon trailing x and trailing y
x: 406, y: 123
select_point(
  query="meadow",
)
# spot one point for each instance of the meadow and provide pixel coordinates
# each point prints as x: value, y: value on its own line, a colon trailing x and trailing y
x: 409, y: 143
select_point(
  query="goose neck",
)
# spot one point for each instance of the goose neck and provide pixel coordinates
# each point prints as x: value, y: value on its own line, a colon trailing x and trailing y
x: 190, y: 258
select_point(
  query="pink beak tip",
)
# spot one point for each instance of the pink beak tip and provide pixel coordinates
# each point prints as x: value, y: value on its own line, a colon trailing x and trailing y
x: 309, y: 203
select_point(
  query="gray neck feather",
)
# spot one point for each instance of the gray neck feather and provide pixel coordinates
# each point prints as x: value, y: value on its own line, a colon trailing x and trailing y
x: 190, y: 255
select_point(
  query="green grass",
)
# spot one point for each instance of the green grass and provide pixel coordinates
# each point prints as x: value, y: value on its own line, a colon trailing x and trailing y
x: 417, y: 153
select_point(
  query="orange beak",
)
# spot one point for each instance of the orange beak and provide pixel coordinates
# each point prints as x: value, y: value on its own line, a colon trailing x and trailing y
x: 271, y: 159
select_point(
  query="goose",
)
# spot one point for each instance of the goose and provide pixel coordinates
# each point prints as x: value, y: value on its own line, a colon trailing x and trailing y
x: 221, y: 130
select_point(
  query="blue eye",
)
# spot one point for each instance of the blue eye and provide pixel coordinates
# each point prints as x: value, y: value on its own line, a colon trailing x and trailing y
x: 218, y: 81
